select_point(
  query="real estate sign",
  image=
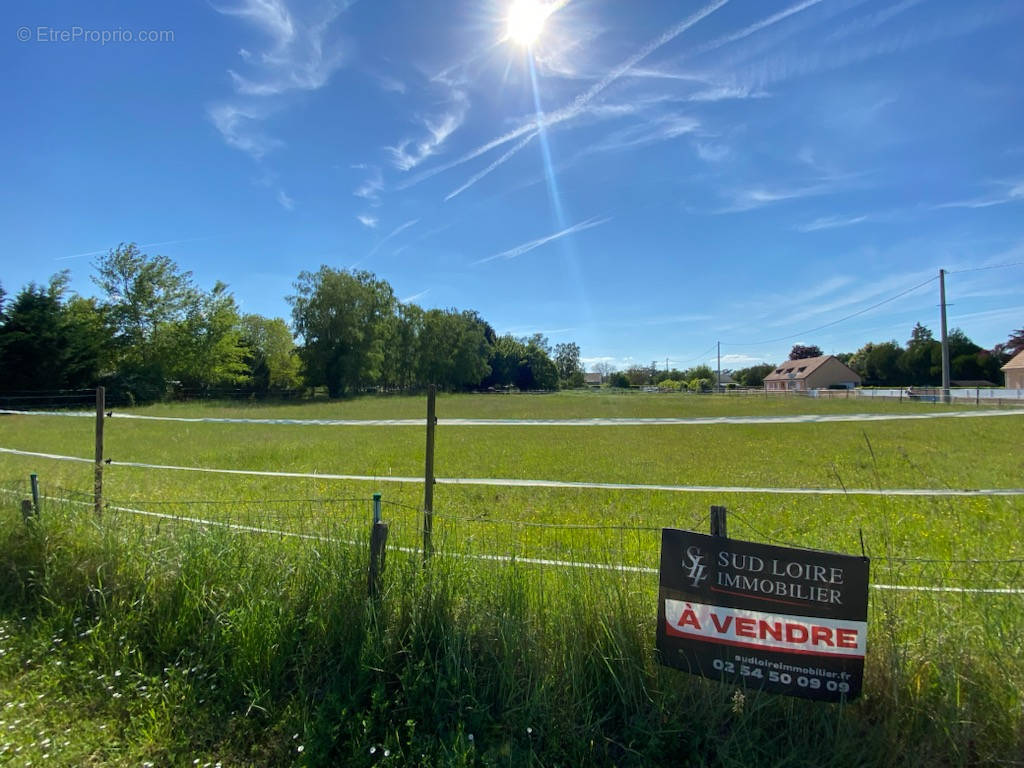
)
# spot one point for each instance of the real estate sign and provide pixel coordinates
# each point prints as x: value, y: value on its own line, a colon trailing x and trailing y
x: 786, y: 620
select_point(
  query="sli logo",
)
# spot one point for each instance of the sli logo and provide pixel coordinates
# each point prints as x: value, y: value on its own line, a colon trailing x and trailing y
x: 696, y: 570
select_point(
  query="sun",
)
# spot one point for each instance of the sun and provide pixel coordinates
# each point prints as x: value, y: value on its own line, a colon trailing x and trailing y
x: 526, y: 20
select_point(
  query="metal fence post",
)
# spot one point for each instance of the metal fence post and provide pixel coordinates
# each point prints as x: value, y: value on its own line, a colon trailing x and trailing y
x: 718, y: 526
x: 428, y: 478
x: 97, y: 491
x: 378, y: 549
x: 34, y: 481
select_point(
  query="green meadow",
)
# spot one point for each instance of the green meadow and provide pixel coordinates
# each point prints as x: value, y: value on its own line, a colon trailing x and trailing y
x: 230, y: 644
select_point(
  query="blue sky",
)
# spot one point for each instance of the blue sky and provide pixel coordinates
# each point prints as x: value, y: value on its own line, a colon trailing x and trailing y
x: 645, y: 179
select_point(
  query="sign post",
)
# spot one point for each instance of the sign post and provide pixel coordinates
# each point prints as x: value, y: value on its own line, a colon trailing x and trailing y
x: 785, y: 620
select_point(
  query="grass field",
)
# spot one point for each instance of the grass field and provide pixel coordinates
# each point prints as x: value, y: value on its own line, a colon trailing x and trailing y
x: 488, y: 640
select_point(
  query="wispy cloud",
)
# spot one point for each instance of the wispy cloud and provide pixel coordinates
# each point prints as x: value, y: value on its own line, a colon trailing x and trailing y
x: 712, y: 153
x: 391, y: 84
x: 368, y: 221
x: 830, y: 222
x: 1014, y: 193
x: 239, y: 127
x: 408, y: 153
x: 300, y: 56
x: 530, y: 245
x: 285, y: 201
x: 755, y: 197
x: 370, y: 190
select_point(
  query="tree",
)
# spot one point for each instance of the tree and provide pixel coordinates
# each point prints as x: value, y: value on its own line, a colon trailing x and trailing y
x: 271, y: 357
x: 205, y: 349
x: 523, y: 363
x: 32, y: 341
x: 342, y: 317
x: 142, y: 293
x: 454, y: 349
x: 1015, y: 344
x: 699, y: 372
x: 919, y: 336
x: 754, y: 375
x: 921, y: 363
x: 567, y: 360
x: 47, y: 343
x: 878, y: 364
x: 639, y: 375
x: 604, y: 368
x: 618, y: 380
x: 801, y: 352
x: 403, y: 334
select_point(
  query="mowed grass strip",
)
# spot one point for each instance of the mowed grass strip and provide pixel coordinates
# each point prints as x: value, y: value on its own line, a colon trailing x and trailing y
x: 561, y: 405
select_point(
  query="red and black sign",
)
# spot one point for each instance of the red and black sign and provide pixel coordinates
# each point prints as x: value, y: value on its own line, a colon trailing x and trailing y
x: 785, y: 620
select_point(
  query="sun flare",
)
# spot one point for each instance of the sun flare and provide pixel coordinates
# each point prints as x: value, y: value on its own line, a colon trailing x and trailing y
x: 526, y: 20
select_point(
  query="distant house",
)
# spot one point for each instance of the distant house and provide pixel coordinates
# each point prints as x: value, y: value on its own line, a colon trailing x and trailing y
x: 811, y: 373
x: 592, y: 379
x: 1014, y: 371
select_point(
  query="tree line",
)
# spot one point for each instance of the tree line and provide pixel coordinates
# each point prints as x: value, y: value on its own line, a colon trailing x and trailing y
x: 152, y: 330
x: 917, y: 363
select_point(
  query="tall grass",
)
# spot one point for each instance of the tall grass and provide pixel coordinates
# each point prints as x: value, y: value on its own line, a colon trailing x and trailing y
x: 163, y: 642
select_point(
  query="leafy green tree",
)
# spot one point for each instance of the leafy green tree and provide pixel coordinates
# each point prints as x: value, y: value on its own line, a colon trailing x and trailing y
x: 523, y: 363
x: 47, y: 343
x: 205, y: 349
x: 454, y: 349
x: 342, y: 317
x: 1014, y: 344
x: 143, y: 298
x: 921, y: 363
x: 699, y: 372
x: 639, y: 375
x: 141, y: 294
x: 403, y: 332
x: 754, y: 375
x: 618, y: 380
x: 542, y: 370
x: 567, y: 360
x: 801, y: 352
x: 271, y: 357
x: 878, y: 364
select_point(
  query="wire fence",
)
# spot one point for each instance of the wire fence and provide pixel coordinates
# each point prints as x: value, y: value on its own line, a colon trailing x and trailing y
x: 631, y: 547
x: 625, y: 547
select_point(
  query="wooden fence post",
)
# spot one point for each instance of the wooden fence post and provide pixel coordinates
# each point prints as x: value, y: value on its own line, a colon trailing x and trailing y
x: 428, y: 475
x: 26, y: 510
x: 97, y: 490
x: 718, y: 526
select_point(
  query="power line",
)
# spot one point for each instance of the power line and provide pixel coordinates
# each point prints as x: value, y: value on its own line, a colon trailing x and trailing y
x: 834, y: 322
x: 981, y: 269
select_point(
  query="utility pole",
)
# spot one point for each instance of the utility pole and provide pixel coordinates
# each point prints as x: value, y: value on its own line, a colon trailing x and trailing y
x: 718, y: 387
x: 945, y: 339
